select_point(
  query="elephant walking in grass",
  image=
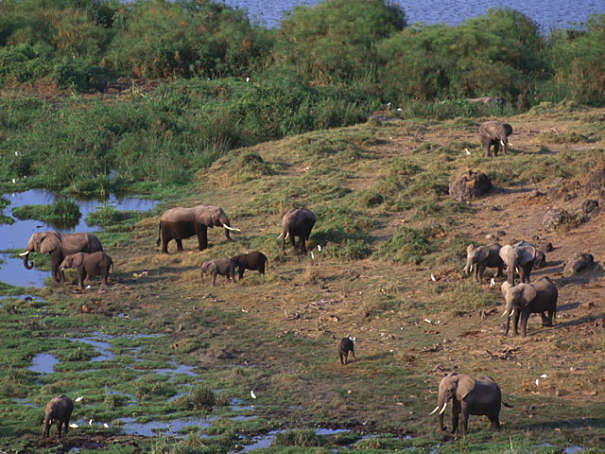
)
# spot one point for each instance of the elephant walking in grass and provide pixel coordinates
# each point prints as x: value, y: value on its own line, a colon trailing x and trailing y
x: 478, y: 258
x: 297, y: 222
x: 494, y: 133
x: 224, y: 267
x: 93, y: 264
x: 58, y: 410
x: 58, y: 246
x: 519, y: 256
x: 252, y: 261
x: 180, y: 223
x: 524, y: 299
x: 469, y: 396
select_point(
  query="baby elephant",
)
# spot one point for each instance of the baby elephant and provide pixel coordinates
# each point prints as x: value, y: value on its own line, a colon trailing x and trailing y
x: 58, y: 410
x: 469, y: 396
x: 253, y: 261
x: 224, y: 267
x: 347, y: 344
x: 93, y: 264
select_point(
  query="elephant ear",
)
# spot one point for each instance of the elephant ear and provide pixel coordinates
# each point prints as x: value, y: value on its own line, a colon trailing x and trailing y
x: 482, y: 254
x: 527, y: 254
x: 77, y: 259
x: 504, y: 288
x: 465, y: 385
x: 50, y: 242
x: 528, y: 293
x: 469, y: 249
x: 505, y: 253
x: 508, y: 129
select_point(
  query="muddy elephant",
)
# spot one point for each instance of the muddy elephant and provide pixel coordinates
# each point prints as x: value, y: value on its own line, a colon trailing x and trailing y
x: 519, y: 256
x: 469, y: 396
x: 494, y: 133
x: 297, y: 222
x: 478, y: 258
x: 180, y: 223
x: 59, y: 245
x: 224, y: 267
x: 524, y: 299
x: 252, y: 261
x: 58, y: 410
x: 93, y: 264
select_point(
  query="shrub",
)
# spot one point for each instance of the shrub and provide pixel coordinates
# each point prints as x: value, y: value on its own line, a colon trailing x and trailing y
x: 62, y: 212
x: 411, y: 245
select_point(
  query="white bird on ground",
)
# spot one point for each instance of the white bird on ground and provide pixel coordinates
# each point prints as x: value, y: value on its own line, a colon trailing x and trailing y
x: 319, y: 247
x: 492, y: 283
x: 73, y: 425
x: 79, y: 399
x: 467, y: 152
x: 252, y: 394
x: 106, y: 425
x: 90, y: 422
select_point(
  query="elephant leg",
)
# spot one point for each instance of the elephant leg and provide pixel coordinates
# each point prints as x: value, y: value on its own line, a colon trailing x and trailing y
x: 524, y: 317
x: 179, y: 244
x: 480, y: 271
x: 496, y: 147
x: 465, y: 414
x: 516, y: 321
x: 500, y: 273
x: 240, y: 272
x: 55, y: 262
x: 546, y: 321
x: 495, y: 424
x: 59, y: 423
x: 455, y: 415
x: 507, y: 325
x: 202, y: 237
x: 213, y: 278
x: 291, y: 234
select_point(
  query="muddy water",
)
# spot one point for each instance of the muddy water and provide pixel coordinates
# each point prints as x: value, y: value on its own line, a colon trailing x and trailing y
x: 16, y: 235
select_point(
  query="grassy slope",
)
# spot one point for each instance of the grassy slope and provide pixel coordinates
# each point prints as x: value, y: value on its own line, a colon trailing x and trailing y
x: 410, y: 330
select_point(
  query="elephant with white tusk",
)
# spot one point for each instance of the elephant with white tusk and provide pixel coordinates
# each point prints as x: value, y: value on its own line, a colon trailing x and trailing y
x: 180, y: 223
x: 524, y: 299
x: 519, y: 256
x: 58, y: 246
x: 481, y: 257
x: 297, y: 222
x: 469, y: 396
x: 494, y: 133
x: 58, y: 410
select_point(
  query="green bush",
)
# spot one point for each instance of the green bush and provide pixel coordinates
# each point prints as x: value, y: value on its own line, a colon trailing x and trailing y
x: 61, y: 212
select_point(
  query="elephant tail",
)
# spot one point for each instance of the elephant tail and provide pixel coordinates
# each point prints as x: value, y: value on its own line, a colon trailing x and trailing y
x: 507, y: 405
x: 159, y: 235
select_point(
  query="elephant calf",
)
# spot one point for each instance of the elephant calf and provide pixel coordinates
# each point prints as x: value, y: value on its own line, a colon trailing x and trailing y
x: 478, y: 258
x: 524, y: 299
x: 469, y: 396
x: 252, y: 261
x: 224, y: 267
x: 347, y: 344
x: 93, y: 264
x: 59, y: 410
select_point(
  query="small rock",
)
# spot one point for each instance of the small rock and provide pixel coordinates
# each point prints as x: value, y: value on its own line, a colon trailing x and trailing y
x: 590, y: 206
x: 554, y: 217
x: 468, y: 185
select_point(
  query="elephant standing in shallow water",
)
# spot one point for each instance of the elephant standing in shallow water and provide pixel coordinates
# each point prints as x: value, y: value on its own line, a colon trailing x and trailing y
x: 180, y: 223
x: 58, y: 410
x: 481, y: 396
x: 59, y: 245
x: 297, y: 222
x: 494, y: 133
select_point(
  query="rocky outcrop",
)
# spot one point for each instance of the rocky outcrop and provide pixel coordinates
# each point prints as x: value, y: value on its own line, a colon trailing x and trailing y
x: 468, y: 185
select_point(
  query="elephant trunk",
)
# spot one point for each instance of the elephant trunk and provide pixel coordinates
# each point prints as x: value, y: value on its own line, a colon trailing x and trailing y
x: 441, y: 404
x: 469, y: 266
x: 25, y: 256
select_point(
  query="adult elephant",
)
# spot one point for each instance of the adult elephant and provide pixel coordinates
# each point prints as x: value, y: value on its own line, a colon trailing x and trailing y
x: 478, y: 258
x: 494, y: 133
x: 58, y: 246
x: 180, y: 223
x: 524, y: 299
x: 519, y: 256
x: 469, y: 396
x: 297, y: 222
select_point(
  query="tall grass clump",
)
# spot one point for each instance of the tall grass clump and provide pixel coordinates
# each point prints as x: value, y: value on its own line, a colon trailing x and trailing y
x: 62, y: 212
x: 410, y: 245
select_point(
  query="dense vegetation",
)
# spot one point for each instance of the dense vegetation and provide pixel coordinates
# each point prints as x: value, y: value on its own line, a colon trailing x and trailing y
x: 194, y: 79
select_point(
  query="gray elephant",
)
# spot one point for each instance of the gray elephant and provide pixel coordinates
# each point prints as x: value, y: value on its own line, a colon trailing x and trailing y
x: 252, y: 261
x: 59, y: 245
x: 469, y: 396
x: 519, y: 256
x: 297, y: 222
x: 93, y: 264
x: 224, y: 267
x: 58, y: 410
x: 496, y: 134
x: 180, y: 223
x: 478, y: 258
x: 524, y: 299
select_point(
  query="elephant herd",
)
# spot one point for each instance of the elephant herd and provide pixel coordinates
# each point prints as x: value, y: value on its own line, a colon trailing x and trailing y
x: 469, y: 396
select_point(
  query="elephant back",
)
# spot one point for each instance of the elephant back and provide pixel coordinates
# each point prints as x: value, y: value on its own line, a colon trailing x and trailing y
x: 177, y: 214
x: 80, y: 242
x: 298, y: 215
